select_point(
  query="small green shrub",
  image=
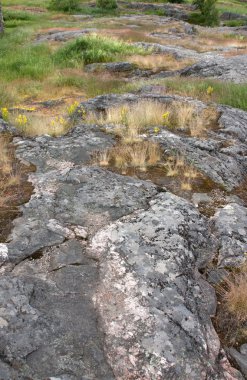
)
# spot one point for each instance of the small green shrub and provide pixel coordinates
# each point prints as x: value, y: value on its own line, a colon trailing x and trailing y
x: 209, y: 15
x: 64, y: 5
x: 107, y: 4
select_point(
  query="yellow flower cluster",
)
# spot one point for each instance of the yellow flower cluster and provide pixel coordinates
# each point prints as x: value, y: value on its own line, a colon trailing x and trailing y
x: 25, y: 108
x: 21, y: 120
x: 210, y: 90
x: 156, y: 129
x: 59, y: 120
x: 5, y: 113
x: 165, y: 117
x: 82, y: 111
x: 72, y: 108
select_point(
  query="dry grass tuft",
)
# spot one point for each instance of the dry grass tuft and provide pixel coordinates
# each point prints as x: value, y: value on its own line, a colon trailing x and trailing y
x: 130, y: 121
x: 160, y: 62
x: 140, y: 155
x: 235, y: 296
x: 231, y: 316
x: 187, y: 117
x: 9, y: 177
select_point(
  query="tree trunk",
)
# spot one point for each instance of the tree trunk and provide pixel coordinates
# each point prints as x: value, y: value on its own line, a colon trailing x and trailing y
x: 1, y: 19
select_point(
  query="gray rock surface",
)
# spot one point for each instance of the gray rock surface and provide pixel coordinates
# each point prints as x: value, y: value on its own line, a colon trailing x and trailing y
x: 231, y: 69
x: 48, y: 322
x: 178, y: 52
x: 175, y: 11
x: 63, y: 35
x: 240, y: 358
x: 100, y: 277
x: 114, y: 67
x: 230, y: 228
x: 154, y: 306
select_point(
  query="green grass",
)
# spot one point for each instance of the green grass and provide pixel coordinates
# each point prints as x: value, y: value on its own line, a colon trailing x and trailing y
x: 233, y: 6
x: 231, y: 94
x: 93, y: 85
x: 23, y: 60
x: 90, y: 49
x: 233, y: 23
x: 99, y: 12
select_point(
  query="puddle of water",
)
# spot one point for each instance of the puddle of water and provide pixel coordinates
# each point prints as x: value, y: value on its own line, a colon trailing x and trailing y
x: 174, y: 184
x: 169, y: 172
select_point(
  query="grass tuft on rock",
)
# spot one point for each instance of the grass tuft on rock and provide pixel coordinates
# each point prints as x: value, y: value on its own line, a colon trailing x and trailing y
x: 93, y: 48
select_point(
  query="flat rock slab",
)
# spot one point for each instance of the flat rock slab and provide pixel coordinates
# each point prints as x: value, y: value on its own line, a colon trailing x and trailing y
x: 230, y: 226
x: 63, y: 35
x: 229, y: 69
x: 155, y: 309
x: 49, y: 325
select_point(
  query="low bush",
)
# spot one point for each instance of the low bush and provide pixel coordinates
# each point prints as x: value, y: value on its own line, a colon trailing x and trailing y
x: 107, y: 4
x: 209, y: 15
x: 64, y: 5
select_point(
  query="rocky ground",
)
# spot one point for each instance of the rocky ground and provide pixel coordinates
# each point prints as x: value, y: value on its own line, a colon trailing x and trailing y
x: 106, y: 276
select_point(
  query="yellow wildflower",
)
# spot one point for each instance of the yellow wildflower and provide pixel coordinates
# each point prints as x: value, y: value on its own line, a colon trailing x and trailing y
x: 210, y: 90
x: 72, y: 108
x: 62, y: 121
x: 5, y: 113
x: 156, y: 130
x: 165, y: 115
x: 21, y: 120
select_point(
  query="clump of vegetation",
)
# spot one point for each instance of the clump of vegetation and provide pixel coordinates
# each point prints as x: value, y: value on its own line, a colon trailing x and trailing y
x: 160, y: 62
x: 187, y: 117
x: 9, y: 177
x: 107, y: 4
x: 209, y: 15
x: 64, y: 5
x: 138, y: 155
x: 133, y: 119
x: 232, y: 94
x: 130, y: 121
x: 93, y: 48
x: 235, y: 296
x: 232, y: 311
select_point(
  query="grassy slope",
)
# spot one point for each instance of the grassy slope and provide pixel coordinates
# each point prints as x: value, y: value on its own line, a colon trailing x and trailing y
x: 37, y: 71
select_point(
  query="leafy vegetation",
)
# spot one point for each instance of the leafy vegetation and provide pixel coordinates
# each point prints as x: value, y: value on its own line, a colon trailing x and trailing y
x: 64, y: 5
x: 209, y: 15
x: 91, y: 49
x: 107, y: 4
